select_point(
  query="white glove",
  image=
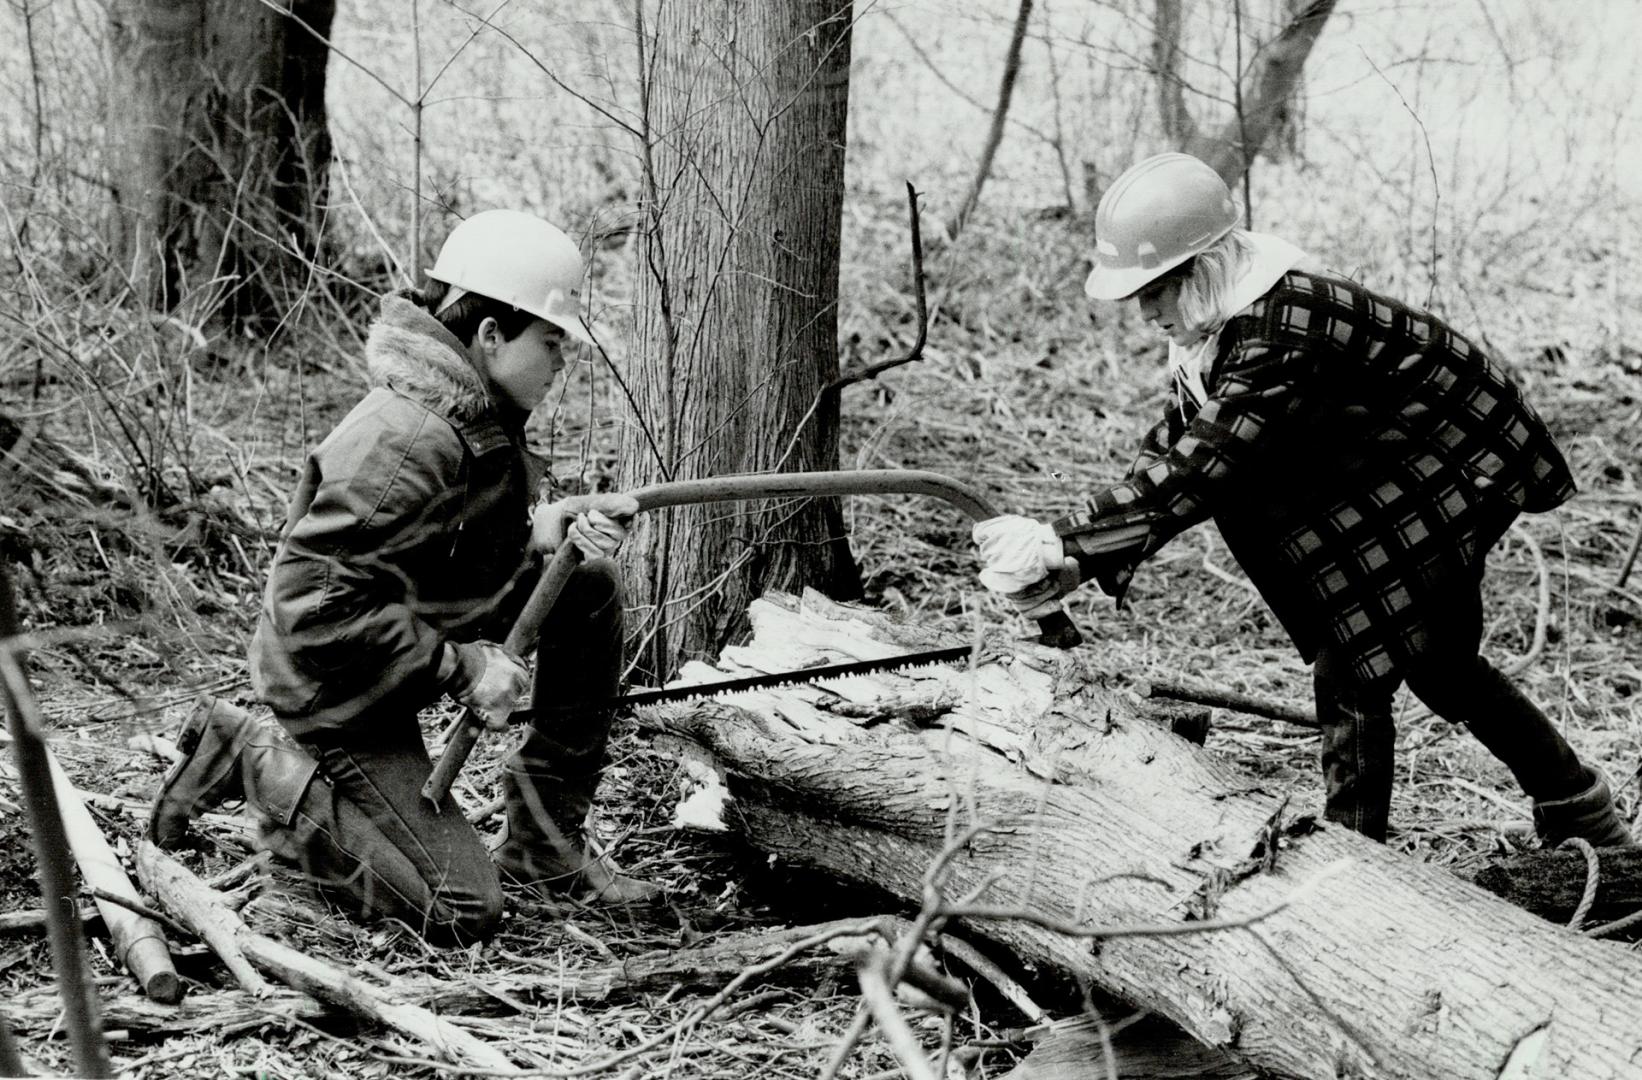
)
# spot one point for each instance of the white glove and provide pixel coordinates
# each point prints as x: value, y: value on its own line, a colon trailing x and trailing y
x: 597, y: 535
x: 1018, y: 552
x: 487, y: 679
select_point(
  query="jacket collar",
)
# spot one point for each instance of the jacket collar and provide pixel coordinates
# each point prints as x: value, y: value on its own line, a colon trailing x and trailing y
x: 1272, y: 257
x: 413, y: 354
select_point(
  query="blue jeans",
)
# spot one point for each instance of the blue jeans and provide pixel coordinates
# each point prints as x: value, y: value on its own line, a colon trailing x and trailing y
x: 363, y: 831
x: 1359, y: 736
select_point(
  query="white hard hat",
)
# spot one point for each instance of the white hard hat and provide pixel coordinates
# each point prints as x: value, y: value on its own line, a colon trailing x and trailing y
x: 1154, y: 217
x: 519, y: 259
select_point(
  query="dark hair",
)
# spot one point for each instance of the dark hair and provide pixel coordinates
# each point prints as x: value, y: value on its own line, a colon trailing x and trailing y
x: 463, y: 317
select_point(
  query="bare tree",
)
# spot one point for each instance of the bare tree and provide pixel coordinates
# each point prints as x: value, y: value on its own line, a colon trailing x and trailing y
x: 1000, y: 114
x: 743, y: 108
x: 218, y: 145
x: 1265, y: 94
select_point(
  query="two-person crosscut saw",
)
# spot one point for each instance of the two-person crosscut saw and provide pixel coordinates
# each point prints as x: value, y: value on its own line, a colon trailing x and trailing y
x: 1057, y: 629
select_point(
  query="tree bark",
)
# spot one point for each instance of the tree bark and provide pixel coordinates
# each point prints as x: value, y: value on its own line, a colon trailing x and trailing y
x: 1266, y: 98
x: 218, y: 148
x: 743, y: 150
x: 1378, y: 966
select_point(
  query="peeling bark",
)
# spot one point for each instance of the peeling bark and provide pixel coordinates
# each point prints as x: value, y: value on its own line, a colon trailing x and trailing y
x: 1389, y: 967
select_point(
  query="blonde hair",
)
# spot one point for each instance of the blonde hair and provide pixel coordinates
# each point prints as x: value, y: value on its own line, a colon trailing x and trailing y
x: 1207, y: 282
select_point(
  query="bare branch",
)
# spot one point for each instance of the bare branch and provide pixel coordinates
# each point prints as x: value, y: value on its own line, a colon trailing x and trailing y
x: 994, y: 136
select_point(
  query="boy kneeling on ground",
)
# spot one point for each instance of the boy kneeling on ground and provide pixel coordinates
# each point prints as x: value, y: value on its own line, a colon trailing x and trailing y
x: 403, y: 559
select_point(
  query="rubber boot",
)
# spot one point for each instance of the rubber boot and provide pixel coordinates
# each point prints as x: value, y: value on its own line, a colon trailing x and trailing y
x: 1359, y: 741
x: 229, y: 754
x: 544, y: 843
x: 1589, y: 815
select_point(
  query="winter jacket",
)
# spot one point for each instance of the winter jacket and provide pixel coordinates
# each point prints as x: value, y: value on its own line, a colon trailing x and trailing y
x: 408, y: 528
x: 1360, y: 458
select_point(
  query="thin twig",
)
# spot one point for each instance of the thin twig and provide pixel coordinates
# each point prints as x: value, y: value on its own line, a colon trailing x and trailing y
x: 872, y: 371
x: 140, y: 908
x: 1184, y: 929
x: 1542, y: 610
x: 1630, y: 559
x: 879, y: 999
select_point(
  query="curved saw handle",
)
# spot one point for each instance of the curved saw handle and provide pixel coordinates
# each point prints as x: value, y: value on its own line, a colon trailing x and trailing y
x: 463, y: 735
x: 1057, y: 628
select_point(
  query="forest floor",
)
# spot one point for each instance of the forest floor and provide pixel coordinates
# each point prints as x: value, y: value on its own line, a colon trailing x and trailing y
x: 1022, y: 391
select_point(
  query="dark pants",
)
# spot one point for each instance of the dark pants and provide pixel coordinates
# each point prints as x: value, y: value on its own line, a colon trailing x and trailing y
x: 363, y: 830
x: 1359, y: 737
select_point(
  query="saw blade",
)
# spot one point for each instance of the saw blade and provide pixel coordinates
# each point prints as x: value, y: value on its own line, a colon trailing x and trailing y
x: 798, y: 676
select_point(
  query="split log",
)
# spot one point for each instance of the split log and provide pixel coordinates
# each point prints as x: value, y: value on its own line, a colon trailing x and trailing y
x: 138, y: 940
x: 1551, y: 883
x: 206, y: 912
x: 1099, y: 819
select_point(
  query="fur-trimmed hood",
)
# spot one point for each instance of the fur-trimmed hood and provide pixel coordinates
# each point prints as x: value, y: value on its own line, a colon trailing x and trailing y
x: 412, y: 353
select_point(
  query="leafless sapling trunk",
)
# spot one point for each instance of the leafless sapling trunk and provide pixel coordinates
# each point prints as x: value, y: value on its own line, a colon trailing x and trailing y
x: 1265, y: 95
x: 51, y: 849
x: 1000, y: 115
x: 218, y: 147
x: 742, y: 141
x: 1178, y: 126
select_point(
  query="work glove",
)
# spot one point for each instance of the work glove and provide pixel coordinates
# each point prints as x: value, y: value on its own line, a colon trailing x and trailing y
x: 1017, y: 551
x: 597, y: 531
x: 1025, y: 562
x: 486, y: 678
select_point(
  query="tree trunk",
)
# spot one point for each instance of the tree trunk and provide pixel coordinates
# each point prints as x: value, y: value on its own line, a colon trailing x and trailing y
x: 1178, y: 127
x: 745, y: 109
x: 75, y: 985
x: 1000, y: 114
x: 1342, y: 958
x: 1268, y: 96
x: 218, y: 148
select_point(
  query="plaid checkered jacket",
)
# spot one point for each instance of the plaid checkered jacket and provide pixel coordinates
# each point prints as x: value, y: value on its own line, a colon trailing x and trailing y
x: 1360, y: 458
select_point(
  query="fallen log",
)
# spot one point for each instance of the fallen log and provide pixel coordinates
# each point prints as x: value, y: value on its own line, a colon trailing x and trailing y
x: 200, y: 908
x: 1073, y: 814
x: 1551, y: 884
x: 138, y: 941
